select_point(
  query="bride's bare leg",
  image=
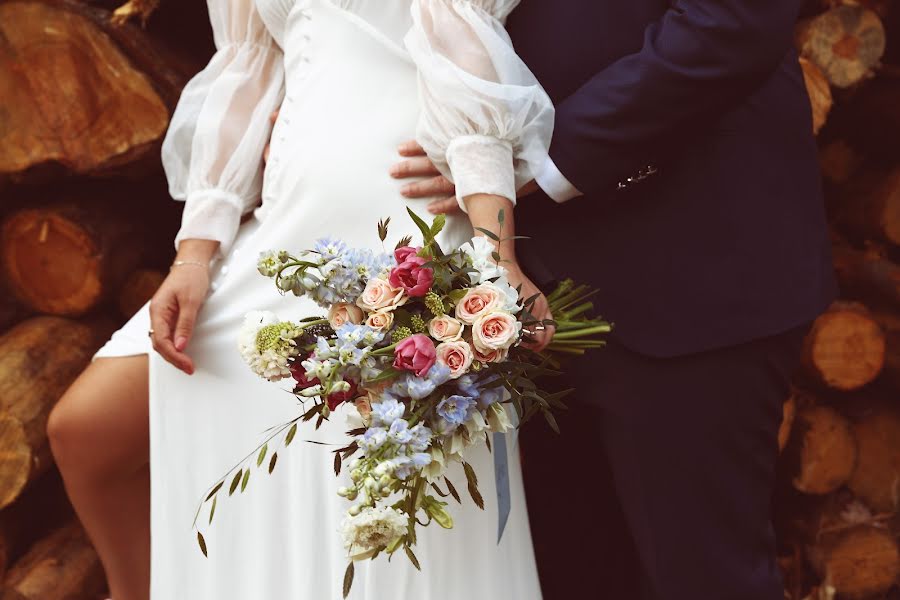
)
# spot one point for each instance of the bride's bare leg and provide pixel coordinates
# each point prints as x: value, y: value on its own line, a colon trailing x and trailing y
x: 99, y: 433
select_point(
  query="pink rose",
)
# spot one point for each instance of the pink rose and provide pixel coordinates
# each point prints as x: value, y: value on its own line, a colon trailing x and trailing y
x: 478, y: 301
x: 380, y: 321
x: 343, y: 313
x: 457, y: 356
x: 445, y: 329
x: 401, y: 254
x: 412, y: 277
x: 379, y: 294
x: 494, y: 356
x: 416, y: 353
x: 495, y: 331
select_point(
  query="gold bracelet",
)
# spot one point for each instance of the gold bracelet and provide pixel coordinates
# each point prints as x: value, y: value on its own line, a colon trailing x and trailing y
x: 180, y: 263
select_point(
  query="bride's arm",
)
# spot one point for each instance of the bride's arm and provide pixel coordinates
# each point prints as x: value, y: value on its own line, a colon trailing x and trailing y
x: 212, y: 153
x: 486, y: 122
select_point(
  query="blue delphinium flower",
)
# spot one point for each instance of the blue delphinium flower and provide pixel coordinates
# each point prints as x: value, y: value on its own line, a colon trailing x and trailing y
x: 404, y: 466
x: 330, y: 247
x: 399, y: 432
x: 373, y: 439
x: 387, y: 411
x: 410, y: 386
x: 420, y: 438
x: 490, y: 396
x: 455, y: 409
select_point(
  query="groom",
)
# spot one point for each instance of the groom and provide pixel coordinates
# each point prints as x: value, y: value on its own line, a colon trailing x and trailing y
x: 684, y: 186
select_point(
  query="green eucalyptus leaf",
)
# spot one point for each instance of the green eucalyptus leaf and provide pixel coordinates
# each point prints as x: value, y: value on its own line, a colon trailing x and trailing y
x: 212, y: 511
x: 489, y: 233
x: 423, y: 227
x: 245, y: 480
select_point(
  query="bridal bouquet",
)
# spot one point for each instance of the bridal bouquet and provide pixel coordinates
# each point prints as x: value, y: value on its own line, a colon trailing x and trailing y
x: 427, y: 346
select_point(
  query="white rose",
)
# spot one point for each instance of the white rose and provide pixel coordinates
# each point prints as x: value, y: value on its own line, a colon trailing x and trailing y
x: 480, y: 252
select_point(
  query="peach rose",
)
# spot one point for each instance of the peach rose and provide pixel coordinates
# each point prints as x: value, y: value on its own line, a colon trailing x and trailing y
x: 364, y: 407
x: 381, y: 320
x: 495, y: 331
x: 379, y: 294
x: 446, y: 329
x: 478, y: 301
x: 457, y: 356
x: 494, y: 356
x: 343, y: 313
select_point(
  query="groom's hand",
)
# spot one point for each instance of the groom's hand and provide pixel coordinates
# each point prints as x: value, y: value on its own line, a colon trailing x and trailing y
x: 417, y: 164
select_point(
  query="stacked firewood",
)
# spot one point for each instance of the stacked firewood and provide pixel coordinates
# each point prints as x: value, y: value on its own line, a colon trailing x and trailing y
x: 86, y: 229
x: 838, y: 506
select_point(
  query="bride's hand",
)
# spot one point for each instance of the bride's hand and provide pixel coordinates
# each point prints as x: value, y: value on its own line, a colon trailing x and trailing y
x: 174, y: 306
x: 540, y: 310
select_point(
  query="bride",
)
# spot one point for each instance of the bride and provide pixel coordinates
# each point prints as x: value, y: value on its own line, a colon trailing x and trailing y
x: 353, y: 79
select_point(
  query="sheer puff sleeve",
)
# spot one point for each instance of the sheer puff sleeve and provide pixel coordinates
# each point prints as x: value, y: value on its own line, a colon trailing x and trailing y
x: 213, y: 150
x: 486, y: 122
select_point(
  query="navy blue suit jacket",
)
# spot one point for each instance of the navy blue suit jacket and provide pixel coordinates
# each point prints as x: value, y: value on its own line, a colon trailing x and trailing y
x: 728, y: 241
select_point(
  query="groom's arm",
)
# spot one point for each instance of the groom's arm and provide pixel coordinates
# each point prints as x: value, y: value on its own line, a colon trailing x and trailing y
x: 700, y: 59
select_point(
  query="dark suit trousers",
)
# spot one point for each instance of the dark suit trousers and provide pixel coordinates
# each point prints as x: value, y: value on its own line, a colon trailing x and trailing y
x: 660, y: 485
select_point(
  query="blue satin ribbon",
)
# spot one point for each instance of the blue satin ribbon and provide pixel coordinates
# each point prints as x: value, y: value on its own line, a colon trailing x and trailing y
x: 501, y: 477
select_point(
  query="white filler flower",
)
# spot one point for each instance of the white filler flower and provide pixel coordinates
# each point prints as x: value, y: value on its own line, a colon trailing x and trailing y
x: 481, y: 252
x: 266, y: 343
x: 373, y: 529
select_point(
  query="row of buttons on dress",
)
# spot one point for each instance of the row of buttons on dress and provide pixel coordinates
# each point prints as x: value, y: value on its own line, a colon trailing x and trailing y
x: 277, y: 140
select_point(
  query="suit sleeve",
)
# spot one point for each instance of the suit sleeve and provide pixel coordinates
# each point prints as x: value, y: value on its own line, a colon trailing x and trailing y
x: 700, y: 59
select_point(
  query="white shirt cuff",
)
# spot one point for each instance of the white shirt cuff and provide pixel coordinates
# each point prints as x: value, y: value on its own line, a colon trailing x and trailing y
x: 554, y: 183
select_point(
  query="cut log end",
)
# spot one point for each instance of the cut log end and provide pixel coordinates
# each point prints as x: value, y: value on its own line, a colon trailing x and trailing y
x: 846, y: 348
x: 825, y: 451
x: 876, y: 479
x: 16, y: 459
x: 860, y: 563
x: 846, y: 43
x: 75, y: 98
x: 63, y: 566
x: 66, y: 259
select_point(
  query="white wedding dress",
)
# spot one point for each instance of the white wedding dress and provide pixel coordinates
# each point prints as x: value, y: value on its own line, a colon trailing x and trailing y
x: 354, y: 79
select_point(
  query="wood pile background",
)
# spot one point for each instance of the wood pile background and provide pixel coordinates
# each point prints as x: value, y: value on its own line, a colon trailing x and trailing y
x: 86, y: 230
